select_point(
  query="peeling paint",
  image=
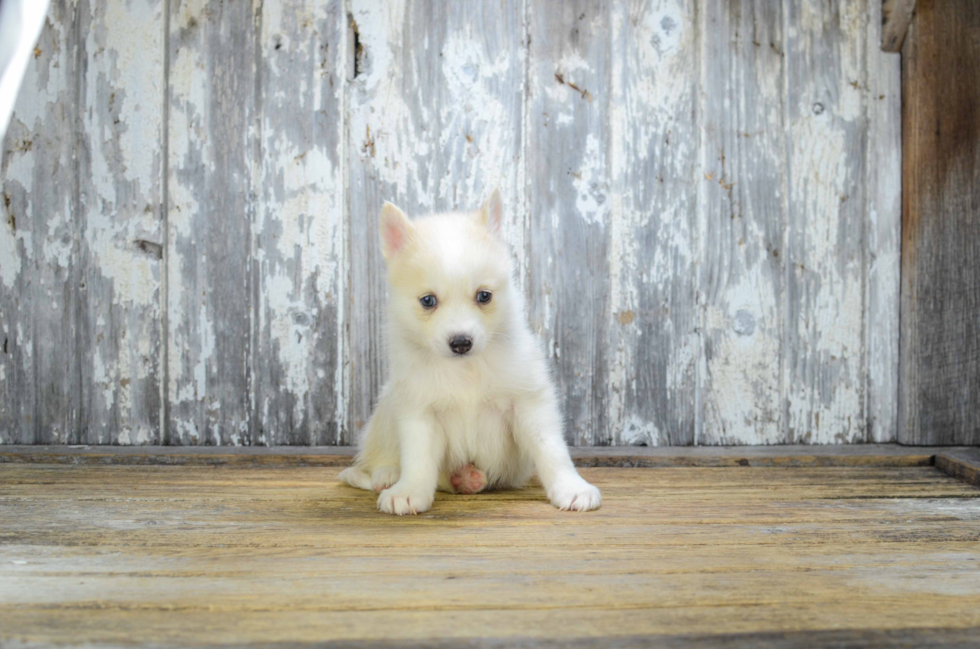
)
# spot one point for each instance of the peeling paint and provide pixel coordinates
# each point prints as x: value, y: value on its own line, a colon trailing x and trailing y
x: 591, y: 185
x: 637, y: 432
x: 702, y: 203
x: 300, y: 248
x: 884, y: 195
x: 40, y: 399
x: 10, y: 255
x: 824, y: 365
x: 436, y: 122
x: 120, y: 188
x: 211, y: 192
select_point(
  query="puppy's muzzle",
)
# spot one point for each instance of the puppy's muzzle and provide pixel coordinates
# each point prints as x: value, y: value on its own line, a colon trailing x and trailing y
x: 460, y: 344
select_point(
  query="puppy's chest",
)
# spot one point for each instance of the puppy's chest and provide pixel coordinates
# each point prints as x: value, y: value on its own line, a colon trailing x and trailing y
x: 479, y: 427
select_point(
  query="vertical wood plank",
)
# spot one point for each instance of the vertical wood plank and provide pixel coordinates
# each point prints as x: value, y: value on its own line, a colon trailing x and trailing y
x: 824, y: 360
x: 120, y: 172
x: 612, y: 153
x: 653, y: 239
x: 570, y: 178
x: 884, y: 214
x: 762, y: 211
x: 894, y: 17
x: 940, y: 303
x: 300, y: 250
x: 743, y: 221
x: 38, y: 246
x: 435, y: 123
x: 211, y: 200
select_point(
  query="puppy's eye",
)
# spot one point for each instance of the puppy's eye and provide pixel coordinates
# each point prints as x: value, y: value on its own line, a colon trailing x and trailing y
x: 483, y: 296
x: 429, y: 301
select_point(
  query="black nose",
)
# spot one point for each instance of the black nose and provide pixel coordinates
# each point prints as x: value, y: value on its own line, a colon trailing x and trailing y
x: 460, y: 344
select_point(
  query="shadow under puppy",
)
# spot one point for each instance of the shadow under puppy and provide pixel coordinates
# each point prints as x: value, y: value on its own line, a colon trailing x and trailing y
x: 469, y: 404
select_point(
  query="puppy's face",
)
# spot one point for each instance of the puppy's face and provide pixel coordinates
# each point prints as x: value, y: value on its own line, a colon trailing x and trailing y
x: 449, y: 277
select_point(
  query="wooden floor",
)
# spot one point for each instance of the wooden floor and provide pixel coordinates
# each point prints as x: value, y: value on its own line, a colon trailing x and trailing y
x: 239, y: 555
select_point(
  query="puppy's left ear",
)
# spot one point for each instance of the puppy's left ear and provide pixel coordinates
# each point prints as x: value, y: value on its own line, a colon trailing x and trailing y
x: 492, y: 214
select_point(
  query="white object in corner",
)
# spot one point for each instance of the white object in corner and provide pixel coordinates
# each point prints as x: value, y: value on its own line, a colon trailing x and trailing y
x: 20, y: 26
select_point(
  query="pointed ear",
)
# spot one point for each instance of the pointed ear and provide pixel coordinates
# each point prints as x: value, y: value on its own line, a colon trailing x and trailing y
x: 395, y: 229
x: 492, y: 214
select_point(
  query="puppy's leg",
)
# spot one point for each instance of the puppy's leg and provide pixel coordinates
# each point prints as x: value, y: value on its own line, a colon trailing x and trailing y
x: 537, y: 430
x: 422, y: 448
x: 376, y: 465
x: 383, y: 477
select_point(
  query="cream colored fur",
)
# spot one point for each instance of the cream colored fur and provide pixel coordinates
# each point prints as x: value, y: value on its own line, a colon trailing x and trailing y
x: 495, y: 406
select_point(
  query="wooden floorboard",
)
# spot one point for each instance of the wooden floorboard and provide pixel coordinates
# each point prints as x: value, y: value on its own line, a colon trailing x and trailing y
x: 719, y: 557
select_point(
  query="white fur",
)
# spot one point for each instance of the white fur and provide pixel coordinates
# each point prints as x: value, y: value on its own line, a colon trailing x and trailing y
x: 494, y: 407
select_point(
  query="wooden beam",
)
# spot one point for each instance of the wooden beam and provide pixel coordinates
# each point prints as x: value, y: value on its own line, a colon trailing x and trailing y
x: 940, y: 302
x: 863, y: 455
x: 895, y: 18
x: 961, y: 463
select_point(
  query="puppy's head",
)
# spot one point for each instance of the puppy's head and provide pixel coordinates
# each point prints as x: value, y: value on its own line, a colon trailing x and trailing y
x: 449, y: 278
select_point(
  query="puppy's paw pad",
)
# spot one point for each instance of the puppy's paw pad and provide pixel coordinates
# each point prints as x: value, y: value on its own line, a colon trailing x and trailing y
x: 393, y: 501
x: 575, y: 495
x: 468, y: 480
x: 384, y: 477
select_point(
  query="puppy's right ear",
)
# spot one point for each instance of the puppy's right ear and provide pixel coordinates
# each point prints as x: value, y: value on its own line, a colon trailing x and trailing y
x: 396, y: 230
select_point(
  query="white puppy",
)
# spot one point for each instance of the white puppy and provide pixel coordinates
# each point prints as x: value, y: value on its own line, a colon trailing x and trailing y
x: 469, y: 404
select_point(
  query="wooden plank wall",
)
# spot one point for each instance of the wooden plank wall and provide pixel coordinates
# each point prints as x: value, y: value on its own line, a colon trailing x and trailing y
x: 940, y: 349
x: 702, y: 197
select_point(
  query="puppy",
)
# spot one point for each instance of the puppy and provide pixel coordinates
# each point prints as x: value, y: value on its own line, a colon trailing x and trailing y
x: 470, y: 403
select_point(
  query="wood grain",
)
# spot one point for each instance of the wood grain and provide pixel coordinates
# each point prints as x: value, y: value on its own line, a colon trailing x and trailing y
x: 961, y: 463
x: 744, y: 219
x: 300, y: 252
x: 940, y: 300
x: 211, y: 205
x: 119, y: 165
x: 883, y: 194
x: 895, y: 18
x: 651, y: 367
x: 824, y: 352
x: 701, y: 198
x: 612, y: 146
x: 784, y: 210
x: 570, y: 189
x: 928, y: 638
x: 190, y: 556
x: 37, y: 296
x: 850, y: 455
x: 436, y: 122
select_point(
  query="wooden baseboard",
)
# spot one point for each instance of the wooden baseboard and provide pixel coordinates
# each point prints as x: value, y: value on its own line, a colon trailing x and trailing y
x: 959, y: 462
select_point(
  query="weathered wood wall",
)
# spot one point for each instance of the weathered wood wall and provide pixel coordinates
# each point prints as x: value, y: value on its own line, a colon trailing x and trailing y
x: 703, y: 199
x: 940, y: 350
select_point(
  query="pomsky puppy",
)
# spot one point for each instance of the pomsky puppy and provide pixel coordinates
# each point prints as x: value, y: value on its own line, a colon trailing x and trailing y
x: 469, y: 404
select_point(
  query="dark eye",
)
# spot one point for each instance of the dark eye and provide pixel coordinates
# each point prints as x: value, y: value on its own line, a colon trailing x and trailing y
x: 483, y: 296
x: 429, y: 301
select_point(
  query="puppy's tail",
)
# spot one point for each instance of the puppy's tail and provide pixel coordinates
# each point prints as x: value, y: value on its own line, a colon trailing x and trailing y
x: 356, y: 477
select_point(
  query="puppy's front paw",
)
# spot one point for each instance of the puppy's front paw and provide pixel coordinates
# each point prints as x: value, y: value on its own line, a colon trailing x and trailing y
x: 400, y: 501
x: 575, y: 494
